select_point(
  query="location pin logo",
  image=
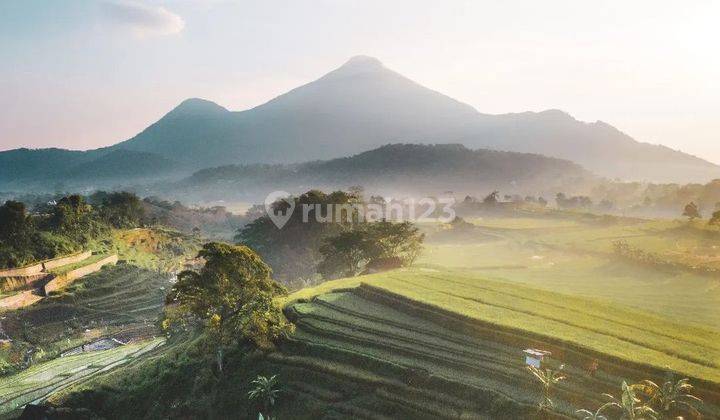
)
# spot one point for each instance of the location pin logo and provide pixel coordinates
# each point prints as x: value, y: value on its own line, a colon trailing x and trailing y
x: 281, y: 215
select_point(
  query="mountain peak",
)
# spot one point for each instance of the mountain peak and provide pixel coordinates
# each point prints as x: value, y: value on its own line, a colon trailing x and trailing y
x: 363, y: 60
x: 196, y: 106
x: 361, y: 64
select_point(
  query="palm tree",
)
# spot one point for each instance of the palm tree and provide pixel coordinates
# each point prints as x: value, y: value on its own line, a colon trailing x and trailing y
x: 548, y: 378
x: 630, y: 405
x: 671, y: 397
x: 265, y: 391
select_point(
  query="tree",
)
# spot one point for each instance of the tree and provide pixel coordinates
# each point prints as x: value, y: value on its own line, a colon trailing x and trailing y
x: 548, y: 378
x: 15, y: 225
x: 232, y: 295
x: 265, y: 392
x: 379, y: 244
x: 72, y: 216
x: 294, y: 251
x: 670, y: 399
x: 122, y: 209
x: 691, y: 211
x: 492, y: 198
x: 715, y: 219
x: 17, y: 233
x: 344, y: 254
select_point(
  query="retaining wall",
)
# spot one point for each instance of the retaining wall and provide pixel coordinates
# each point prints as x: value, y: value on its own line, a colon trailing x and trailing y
x: 42, y: 266
x: 9, y: 284
x: 63, y: 280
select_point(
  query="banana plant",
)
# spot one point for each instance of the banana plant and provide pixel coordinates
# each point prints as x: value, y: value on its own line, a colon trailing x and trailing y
x: 672, y: 397
x: 265, y: 391
x: 630, y: 406
x: 548, y: 378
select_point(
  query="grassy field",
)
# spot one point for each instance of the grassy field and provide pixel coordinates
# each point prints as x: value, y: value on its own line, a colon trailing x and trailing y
x: 36, y: 383
x: 579, y: 260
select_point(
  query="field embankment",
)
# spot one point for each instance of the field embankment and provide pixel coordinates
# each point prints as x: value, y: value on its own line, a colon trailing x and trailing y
x: 66, y: 277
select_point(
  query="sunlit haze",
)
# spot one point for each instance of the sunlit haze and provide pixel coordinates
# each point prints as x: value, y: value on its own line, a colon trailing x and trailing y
x: 82, y: 74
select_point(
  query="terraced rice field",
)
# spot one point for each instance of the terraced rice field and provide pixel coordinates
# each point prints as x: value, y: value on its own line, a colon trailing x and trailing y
x: 113, y: 300
x: 38, y: 382
x: 443, y: 344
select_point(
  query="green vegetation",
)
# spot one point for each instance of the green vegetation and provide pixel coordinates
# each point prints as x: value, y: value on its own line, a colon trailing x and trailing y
x: 67, y: 226
x: 122, y: 301
x: 576, y: 256
x: 42, y: 380
x: 293, y: 252
x: 628, y: 334
x: 265, y: 392
x: 370, y: 246
x: 232, y: 296
x: 549, y: 378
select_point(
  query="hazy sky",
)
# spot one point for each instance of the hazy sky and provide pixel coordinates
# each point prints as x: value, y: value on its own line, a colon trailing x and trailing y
x: 83, y: 74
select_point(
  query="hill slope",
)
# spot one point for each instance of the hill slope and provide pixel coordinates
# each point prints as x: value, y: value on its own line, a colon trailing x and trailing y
x: 424, y: 345
x: 394, y: 168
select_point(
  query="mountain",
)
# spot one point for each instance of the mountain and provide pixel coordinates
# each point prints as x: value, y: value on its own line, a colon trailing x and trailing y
x: 123, y: 164
x: 47, y: 168
x: 360, y: 106
x: 393, y: 169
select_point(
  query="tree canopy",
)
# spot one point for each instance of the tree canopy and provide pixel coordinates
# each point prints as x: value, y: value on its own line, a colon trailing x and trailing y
x: 375, y: 245
x: 231, y: 296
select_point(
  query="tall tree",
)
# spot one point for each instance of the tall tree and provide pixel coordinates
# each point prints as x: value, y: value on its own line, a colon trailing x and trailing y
x: 122, y: 209
x: 232, y: 295
x: 692, y: 211
x: 378, y: 245
x: 715, y: 219
x: 72, y: 216
x: 15, y: 225
x: 293, y: 251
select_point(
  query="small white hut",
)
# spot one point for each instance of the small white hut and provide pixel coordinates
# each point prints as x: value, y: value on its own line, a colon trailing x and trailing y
x: 535, y: 357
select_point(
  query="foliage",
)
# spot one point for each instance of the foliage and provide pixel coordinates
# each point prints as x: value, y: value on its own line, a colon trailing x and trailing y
x: 294, y: 251
x: 670, y: 399
x: 22, y: 242
x: 74, y: 218
x: 264, y: 391
x: 369, y: 244
x: 64, y: 225
x: 122, y: 209
x: 233, y: 297
x: 654, y: 260
x: 575, y: 202
x: 548, y: 378
x: 715, y: 219
x: 691, y: 211
x: 629, y: 405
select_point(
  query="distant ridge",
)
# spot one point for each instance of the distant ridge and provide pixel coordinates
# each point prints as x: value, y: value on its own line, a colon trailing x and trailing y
x: 394, y: 168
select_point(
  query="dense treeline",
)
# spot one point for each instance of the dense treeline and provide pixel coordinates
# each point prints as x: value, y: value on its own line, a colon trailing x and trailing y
x: 327, y: 236
x: 62, y: 226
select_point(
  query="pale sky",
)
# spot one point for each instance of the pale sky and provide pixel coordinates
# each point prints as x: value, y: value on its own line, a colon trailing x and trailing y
x: 81, y: 74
